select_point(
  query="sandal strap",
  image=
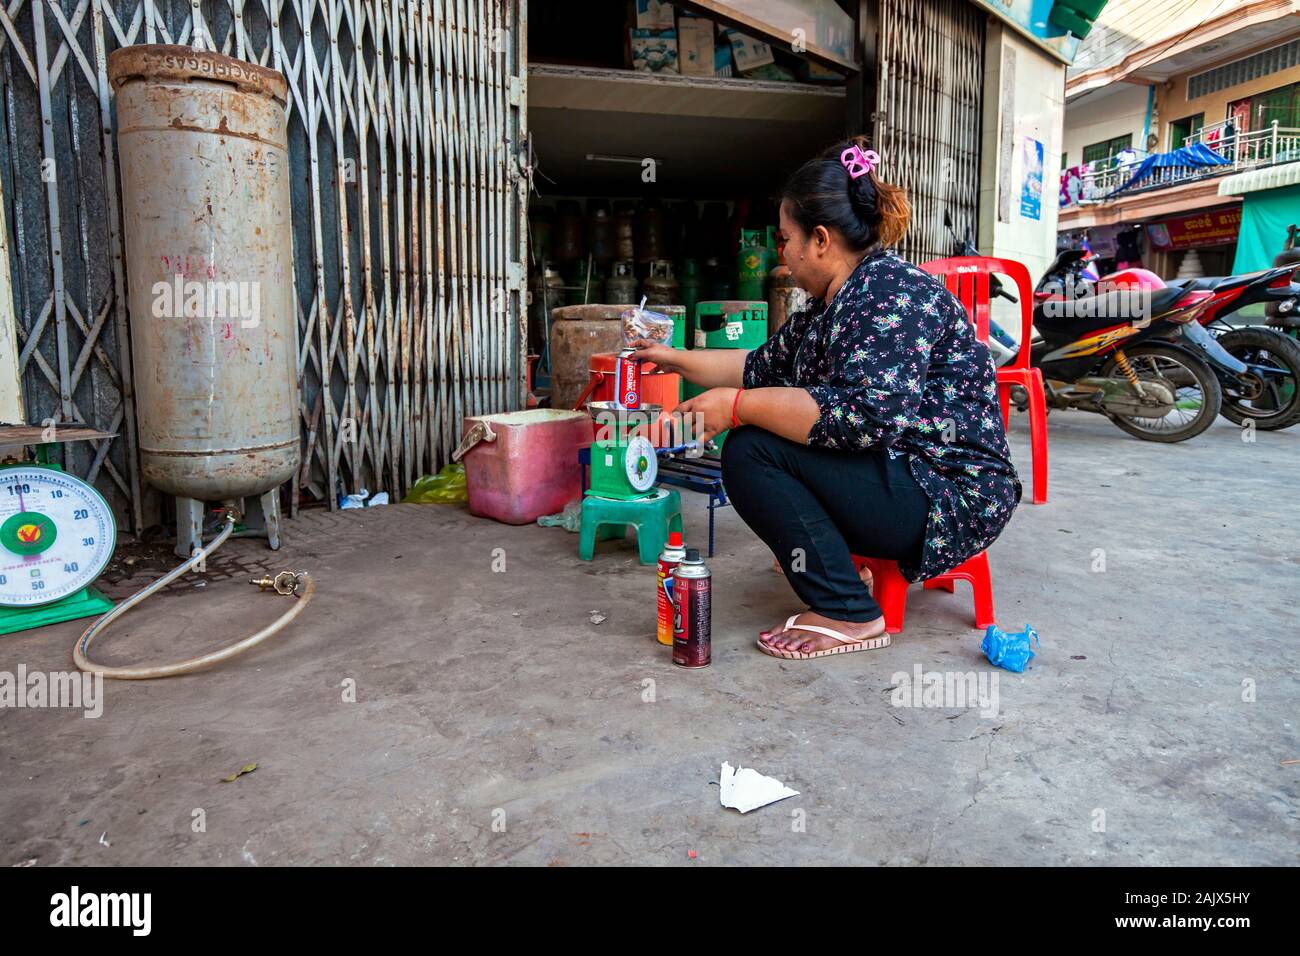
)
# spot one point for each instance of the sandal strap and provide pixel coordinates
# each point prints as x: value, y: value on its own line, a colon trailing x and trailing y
x: 790, y: 625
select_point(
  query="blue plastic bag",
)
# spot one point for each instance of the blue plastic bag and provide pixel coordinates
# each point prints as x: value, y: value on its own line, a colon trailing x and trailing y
x: 1009, y: 651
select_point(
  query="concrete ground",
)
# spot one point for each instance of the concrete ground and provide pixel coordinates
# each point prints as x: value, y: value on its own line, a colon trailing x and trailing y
x: 493, y: 722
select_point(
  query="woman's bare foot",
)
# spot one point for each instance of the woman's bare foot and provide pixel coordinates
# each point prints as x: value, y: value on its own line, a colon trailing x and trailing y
x: 808, y: 641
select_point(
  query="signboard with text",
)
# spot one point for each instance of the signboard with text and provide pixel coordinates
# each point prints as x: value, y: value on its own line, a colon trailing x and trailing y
x: 1215, y: 228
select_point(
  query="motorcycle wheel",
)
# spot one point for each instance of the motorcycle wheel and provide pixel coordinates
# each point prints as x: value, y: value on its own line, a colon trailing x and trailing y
x: 1196, y: 389
x: 1270, y: 405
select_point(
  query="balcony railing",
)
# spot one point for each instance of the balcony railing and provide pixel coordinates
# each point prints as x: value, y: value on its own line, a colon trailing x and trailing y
x: 1102, y: 177
x: 1263, y: 147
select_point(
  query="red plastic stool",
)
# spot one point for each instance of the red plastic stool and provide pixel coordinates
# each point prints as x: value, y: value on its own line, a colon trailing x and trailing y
x: 890, y: 587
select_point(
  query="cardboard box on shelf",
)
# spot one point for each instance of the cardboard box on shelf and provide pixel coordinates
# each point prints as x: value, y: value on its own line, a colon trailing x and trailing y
x: 695, y: 45
x: 654, y: 51
x: 654, y: 15
x: 811, y: 72
x: 749, y: 53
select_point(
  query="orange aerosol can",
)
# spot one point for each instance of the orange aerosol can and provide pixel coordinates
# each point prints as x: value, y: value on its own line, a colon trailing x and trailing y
x: 672, y: 555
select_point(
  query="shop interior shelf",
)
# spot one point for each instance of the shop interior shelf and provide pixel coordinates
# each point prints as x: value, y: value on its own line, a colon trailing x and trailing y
x: 555, y: 86
x: 592, y: 127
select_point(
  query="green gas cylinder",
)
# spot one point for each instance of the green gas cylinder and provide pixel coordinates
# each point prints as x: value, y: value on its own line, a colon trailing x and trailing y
x: 689, y: 283
x: 751, y: 264
x: 730, y: 324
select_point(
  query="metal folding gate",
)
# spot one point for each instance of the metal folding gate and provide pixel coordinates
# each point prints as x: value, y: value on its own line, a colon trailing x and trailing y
x: 927, y: 130
x: 406, y: 121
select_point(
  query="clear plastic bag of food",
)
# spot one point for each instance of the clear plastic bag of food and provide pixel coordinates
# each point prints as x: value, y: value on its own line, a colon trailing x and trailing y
x: 641, y: 323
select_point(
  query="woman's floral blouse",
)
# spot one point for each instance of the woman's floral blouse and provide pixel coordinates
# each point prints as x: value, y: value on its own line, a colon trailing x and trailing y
x: 894, y: 362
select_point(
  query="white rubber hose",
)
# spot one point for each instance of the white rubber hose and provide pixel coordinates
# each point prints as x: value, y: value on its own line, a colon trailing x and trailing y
x: 304, y: 587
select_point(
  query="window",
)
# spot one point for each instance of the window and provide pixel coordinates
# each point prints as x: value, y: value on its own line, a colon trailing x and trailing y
x: 1264, y: 63
x: 1179, y: 130
x: 1282, y: 104
x: 1107, y: 149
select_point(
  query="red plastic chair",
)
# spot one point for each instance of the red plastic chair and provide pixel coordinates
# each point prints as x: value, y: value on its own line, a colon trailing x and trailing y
x: 890, y: 588
x: 967, y: 277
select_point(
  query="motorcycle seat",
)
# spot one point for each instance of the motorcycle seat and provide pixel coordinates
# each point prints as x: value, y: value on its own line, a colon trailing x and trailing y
x: 1213, y: 283
x: 1163, y: 299
x: 1112, y: 305
x: 1203, y: 284
x: 1091, y: 313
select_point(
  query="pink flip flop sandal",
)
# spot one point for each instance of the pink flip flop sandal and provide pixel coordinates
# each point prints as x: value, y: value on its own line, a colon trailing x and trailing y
x: 847, y: 644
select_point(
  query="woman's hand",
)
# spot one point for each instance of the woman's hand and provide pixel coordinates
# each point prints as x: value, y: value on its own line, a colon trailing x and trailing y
x: 664, y: 357
x: 711, y: 413
x: 708, y: 368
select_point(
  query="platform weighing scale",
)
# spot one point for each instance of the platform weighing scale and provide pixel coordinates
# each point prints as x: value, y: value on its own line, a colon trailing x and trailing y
x: 623, y: 467
x: 57, y: 534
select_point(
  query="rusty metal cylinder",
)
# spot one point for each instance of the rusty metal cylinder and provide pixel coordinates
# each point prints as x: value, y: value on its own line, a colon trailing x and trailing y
x: 784, y: 298
x: 579, y: 332
x: 660, y: 288
x: 209, y: 262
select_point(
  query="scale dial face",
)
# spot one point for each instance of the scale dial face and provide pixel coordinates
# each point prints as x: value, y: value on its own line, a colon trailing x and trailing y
x: 56, y: 535
x: 641, y: 464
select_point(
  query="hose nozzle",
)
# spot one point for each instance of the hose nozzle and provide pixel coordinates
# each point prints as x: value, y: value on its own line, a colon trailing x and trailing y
x: 286, y: 582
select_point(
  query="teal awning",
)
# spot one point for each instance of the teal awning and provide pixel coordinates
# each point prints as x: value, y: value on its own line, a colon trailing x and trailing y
x: 1265, y: 216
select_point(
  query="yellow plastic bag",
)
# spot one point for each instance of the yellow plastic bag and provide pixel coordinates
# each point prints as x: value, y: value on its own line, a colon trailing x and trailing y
x: 447, y: 487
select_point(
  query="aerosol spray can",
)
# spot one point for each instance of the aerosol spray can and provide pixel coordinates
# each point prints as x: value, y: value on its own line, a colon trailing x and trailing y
x: 692, y: 612
x: 627, y: 380
x: 668, y: 561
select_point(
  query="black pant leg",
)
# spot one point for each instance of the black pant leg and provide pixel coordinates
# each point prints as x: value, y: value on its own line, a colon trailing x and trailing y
x: 815, y: 508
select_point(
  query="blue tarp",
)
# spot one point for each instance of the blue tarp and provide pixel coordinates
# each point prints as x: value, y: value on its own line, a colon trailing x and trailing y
x: 1198, y: 154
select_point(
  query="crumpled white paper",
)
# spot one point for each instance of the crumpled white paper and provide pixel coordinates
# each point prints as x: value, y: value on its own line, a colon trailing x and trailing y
x: 747, y: 789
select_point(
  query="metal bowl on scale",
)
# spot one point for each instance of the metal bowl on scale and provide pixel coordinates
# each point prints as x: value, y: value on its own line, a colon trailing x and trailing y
x: 648, y: 410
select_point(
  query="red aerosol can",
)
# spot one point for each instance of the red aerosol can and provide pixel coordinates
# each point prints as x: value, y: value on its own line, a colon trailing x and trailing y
x: 692, y: 612
x: 627, y: 380
x: 668, y: 561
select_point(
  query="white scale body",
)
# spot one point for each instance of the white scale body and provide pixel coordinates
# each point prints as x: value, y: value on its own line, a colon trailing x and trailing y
x: 57, y: 534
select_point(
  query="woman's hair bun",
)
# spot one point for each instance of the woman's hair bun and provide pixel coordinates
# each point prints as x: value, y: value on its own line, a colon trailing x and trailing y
x: 862, y: 194
x: 865, y: 210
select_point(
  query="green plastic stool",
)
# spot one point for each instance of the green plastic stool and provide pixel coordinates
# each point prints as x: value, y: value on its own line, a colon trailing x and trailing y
x: 654, y: 516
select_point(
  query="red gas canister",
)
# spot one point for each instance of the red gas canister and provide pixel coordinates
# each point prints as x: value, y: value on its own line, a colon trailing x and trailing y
x: 668, y: 561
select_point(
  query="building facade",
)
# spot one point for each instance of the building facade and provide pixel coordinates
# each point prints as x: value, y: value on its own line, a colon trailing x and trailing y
x: 1163, y: 104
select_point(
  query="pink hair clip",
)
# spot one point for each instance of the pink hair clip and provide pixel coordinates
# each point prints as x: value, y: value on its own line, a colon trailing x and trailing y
x: 857, y: 162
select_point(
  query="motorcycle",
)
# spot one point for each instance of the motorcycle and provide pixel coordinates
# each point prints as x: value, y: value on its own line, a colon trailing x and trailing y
x: 1126, y: 347
x: 1257, y: 368
x: 1266, y: 392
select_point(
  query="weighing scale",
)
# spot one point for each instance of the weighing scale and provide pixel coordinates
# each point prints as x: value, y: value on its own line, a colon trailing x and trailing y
x: 624, y: 467
x: 57, y: 534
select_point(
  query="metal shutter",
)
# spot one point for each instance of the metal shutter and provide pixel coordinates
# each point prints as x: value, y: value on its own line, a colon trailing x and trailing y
x: 407, y: 119
x: 928, y: 119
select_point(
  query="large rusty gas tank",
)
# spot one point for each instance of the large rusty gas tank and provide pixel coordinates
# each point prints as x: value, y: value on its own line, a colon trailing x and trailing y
x: 209, y: 263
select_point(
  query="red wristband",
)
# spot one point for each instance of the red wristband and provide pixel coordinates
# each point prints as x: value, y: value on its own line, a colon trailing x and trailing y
x: 735, y: 404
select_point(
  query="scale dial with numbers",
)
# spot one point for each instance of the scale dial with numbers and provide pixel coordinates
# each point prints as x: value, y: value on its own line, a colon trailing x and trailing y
x: 56, y: 535
x: 640, y: 463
